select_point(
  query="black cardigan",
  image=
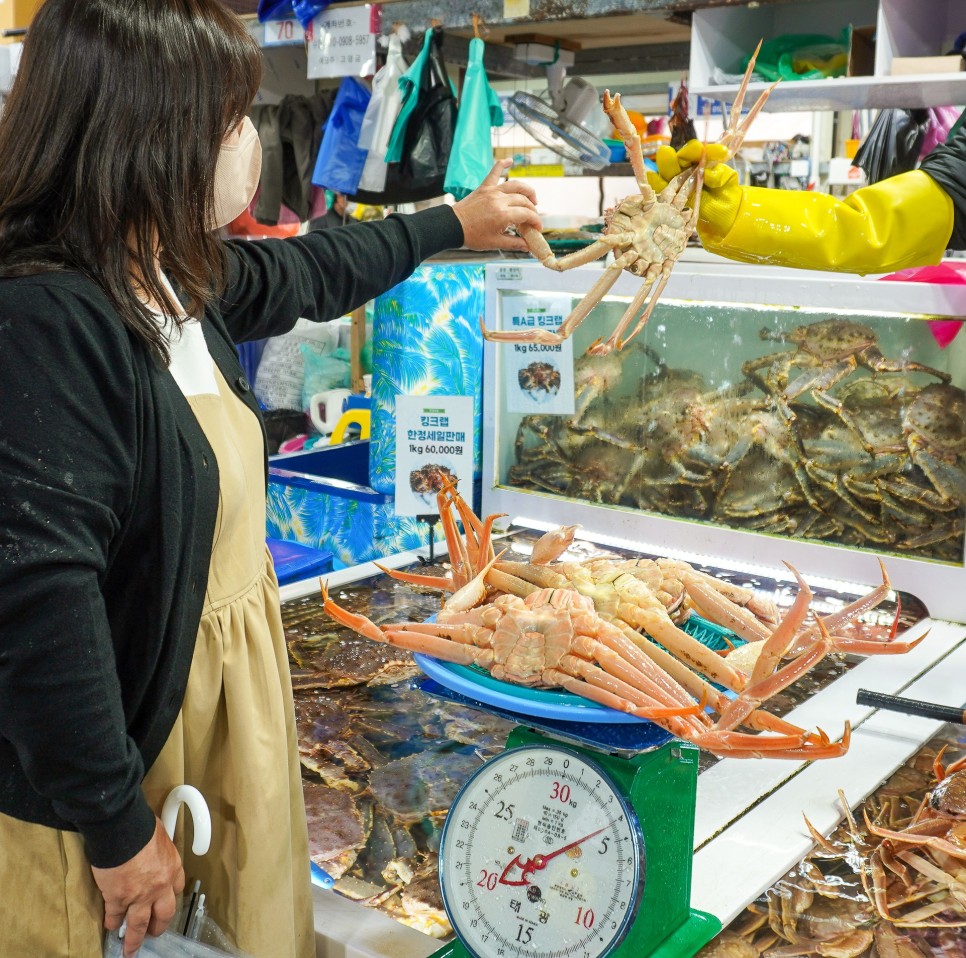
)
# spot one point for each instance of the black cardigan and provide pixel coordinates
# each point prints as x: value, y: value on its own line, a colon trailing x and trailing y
x: 108, y: 498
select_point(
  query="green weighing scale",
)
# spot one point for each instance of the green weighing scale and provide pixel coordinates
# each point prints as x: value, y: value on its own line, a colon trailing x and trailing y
x: 577, y: 840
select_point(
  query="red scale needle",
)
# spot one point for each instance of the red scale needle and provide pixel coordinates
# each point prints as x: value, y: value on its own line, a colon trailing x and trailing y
x: 539, y: 862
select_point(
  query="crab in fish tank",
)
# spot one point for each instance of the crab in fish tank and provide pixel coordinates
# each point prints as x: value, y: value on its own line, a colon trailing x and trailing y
x: 381, y: 766
x: 826, y: 353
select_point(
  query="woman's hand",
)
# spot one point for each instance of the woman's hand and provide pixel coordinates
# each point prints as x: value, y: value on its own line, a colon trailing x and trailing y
x: 489, y: 212
x: 144, y: 889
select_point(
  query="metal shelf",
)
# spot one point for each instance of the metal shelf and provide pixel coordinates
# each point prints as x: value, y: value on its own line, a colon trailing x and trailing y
x: 851, y: 93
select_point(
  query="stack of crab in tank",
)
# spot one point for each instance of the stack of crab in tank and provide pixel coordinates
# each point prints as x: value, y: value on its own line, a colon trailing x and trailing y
x: 841, y: 429
x: 832, y: 428
x: 887, y: 883
x: 833, y: 436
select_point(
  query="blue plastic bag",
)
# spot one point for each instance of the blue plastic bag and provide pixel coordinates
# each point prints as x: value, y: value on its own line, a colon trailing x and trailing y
x: 340, y: 161
x: 305, y: 10
x: 472, y: 155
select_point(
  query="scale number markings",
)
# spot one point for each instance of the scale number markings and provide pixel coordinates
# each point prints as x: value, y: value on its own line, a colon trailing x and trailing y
x: 556, y: 860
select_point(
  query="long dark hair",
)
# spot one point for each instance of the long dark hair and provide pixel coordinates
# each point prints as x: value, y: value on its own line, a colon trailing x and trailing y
x: 108, y: 143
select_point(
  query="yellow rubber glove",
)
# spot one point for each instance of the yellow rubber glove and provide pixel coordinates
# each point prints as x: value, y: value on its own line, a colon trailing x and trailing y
x: 903, y: 221
x: 721, y: 195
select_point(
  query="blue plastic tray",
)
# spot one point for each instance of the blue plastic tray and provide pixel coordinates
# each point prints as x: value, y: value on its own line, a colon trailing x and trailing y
x: 560, y: 705
x: 542, y: 703
x: 294, y: 561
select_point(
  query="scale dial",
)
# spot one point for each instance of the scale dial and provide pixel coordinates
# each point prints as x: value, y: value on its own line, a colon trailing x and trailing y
x: 541, y: 856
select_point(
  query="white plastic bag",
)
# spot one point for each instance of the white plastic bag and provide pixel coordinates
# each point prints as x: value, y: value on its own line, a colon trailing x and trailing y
x: 380, y: 118
x: 211, y: 943
x: 278, y: 380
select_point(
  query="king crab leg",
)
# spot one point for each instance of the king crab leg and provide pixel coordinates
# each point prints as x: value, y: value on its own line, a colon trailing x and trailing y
x: 552, y: 545
x: 597, y: 292
x: 735, y: 134
x: 698, y: 687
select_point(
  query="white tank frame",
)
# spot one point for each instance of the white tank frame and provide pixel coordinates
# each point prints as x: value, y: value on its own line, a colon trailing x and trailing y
x: 942, y: 587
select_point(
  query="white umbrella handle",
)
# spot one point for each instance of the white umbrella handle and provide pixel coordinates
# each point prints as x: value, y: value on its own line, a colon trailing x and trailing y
x: 200, y: 817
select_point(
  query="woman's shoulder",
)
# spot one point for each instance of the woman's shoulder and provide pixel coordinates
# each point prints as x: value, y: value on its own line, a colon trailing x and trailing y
x: 49, y: 286
x: 64, y: 299
x: 66, y: 311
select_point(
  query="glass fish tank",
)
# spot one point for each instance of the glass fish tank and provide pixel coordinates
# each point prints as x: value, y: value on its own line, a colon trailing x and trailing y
x: 873, y: 888
x: 830, y: 420
x: 382, y: 760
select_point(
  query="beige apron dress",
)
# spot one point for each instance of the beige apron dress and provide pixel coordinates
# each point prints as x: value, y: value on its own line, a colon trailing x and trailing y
x: 234, y: 740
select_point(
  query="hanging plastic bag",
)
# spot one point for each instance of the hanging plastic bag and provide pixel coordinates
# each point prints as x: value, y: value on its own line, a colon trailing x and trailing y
x: 893, y: 144
x: 422, y: 138
x: 340, y: 161
x: 380, y: 118
x: 422, y: 144
x: 409, y: 84
x: 941, y: 121
x: 804, y: 56
x: 479, y: 110
x: 305, y: 10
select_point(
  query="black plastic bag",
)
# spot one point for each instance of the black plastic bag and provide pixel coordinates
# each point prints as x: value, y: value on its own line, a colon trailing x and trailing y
x: 893, y: 144
x: 421, y: 170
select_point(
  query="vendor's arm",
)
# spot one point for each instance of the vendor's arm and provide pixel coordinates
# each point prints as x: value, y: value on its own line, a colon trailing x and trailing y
x: 326, y: 274
x: 906, y: 220
x: 67, y: 432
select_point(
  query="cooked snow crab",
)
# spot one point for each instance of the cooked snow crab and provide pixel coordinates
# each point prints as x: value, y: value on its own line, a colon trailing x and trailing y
x: 554, y: 638
x: 576, y: 626
x: 647, y: 232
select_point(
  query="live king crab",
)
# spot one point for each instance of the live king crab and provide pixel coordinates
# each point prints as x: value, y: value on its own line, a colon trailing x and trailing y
x: 646, y: 231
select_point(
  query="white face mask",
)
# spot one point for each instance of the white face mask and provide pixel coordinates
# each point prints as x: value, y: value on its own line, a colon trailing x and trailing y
x: 237, y: 171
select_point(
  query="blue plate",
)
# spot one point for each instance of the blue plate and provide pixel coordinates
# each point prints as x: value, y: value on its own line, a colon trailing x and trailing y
x: 564, y: 706
x: 540, y: 703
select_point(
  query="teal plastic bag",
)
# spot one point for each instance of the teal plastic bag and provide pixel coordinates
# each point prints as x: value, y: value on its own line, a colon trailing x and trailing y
x: 410, y: 83
x: 472, y: 156
x: 804, y: 56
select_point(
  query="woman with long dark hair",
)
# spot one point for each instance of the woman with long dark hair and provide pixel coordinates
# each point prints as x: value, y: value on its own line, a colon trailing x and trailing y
x: 140, y: 637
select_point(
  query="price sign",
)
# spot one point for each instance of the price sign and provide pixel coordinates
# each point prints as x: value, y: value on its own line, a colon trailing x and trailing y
x: 341, y: 43
x: 283, y: 33
x: 434, y: 445
x: 539, y: 377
